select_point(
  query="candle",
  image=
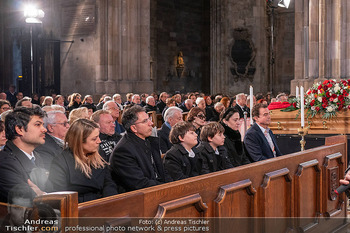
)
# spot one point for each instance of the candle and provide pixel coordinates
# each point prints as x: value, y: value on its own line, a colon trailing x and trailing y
x: 297, y: 92
x: 251, y: 104
x: 302, y: 106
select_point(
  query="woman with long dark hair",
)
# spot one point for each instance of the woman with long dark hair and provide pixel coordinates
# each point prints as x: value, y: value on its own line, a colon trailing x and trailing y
x: 233, y: 140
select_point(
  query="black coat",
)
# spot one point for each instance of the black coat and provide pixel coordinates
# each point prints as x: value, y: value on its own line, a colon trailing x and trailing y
x: 11, y: 98
x: 65, y: 177
x: 49, y: 150
x: 184, y: 108
x: 209, y: 112
x: 179, y: 165
x: 74, y: 106
x: 241, y: 112
x: 211, y: 161
x: 161, y: 105
x: 16, y: 169
x: 150, y: 108
x: 131, y: 163
x: 215, y: 116
x: 234, y: 145
x: 164, y: 142
x: 257, y: 145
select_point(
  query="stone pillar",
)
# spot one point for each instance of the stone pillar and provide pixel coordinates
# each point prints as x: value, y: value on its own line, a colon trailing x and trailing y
x: 217, y: 51
x: 346, y: 44
x: 322, y: 40
x: 329, y: 41
x: 336, y: 38
x: 125, y: 47
x: 301, y: 26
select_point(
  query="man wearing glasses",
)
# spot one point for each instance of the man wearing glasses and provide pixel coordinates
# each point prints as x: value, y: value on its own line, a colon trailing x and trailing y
x: 136, y: 162
x: 259, y: 141
x: 57, y: 126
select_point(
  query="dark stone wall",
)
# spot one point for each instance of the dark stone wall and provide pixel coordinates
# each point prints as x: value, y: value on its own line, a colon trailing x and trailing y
x: 284, y: 37
x: 180, y: 25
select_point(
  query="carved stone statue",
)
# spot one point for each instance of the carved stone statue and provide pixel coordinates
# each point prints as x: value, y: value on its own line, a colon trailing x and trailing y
x: 180, y: 61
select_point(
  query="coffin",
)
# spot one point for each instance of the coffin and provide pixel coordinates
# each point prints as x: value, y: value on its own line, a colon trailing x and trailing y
x: 287, y: 123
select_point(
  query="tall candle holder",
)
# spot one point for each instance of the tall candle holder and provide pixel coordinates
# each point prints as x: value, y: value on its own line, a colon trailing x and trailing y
x: 302, y: 132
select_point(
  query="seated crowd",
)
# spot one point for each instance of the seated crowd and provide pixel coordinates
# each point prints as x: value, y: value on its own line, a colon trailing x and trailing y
x: 50, y: 144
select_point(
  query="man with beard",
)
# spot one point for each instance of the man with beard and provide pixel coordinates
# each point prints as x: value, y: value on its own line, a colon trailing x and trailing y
x: 109, y: 138
x: 19, y: 164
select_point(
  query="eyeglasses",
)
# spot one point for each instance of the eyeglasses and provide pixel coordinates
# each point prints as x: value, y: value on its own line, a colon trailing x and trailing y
x: 201, y: 116
x: 65, y: 124
x: 144, y: 121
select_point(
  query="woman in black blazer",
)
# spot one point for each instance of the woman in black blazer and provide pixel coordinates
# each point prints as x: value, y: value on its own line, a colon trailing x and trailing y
x: 80, y: 168
x: 233, y: 141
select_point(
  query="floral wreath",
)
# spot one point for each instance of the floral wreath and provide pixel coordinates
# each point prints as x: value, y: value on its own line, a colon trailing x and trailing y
x: 326, y: 98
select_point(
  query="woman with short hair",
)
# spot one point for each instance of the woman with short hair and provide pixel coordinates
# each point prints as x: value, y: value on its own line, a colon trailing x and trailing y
x: 197, y: 117
x: 80, y: 167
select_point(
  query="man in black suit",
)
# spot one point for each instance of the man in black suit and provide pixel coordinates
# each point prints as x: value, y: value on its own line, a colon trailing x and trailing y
x: 187, y: 105
x: 161, y: 103
x: 11, y: 95
x: 19, y: 165
x: 241, y: 105
x: 136, y: 162
x: 151, y: 105
x: 259, y: 141
x: 57, y: 126
x: 171, y: 116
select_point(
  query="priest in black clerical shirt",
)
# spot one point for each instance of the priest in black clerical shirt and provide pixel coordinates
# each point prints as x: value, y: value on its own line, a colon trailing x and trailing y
x: 136, y: 161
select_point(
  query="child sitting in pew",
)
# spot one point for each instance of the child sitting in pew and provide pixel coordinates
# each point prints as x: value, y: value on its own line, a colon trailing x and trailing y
x: 212, y: 152
x: 181, y: 161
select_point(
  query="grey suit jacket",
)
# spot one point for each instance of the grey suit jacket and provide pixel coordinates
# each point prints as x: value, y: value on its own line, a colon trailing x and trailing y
x: 48, y: 151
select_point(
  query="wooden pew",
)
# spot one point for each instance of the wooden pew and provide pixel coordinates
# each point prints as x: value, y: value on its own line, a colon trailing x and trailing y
x: 120, y: 116
x: 153, y: 114
x: 184, y: 116
x: 159, y: 121
x: 297, y: 185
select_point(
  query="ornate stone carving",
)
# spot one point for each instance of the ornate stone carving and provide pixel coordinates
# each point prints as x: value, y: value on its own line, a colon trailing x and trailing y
x: 242, y: 55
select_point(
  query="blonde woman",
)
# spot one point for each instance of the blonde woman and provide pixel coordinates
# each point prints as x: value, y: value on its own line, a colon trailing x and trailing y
x: 47, y: 101
x: 80, y: 167
x: 78, y: 113
x: 75, y: 101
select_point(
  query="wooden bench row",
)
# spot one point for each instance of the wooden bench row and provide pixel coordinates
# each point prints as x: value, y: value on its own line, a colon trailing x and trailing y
x: 295, y: 185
